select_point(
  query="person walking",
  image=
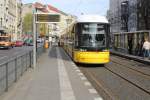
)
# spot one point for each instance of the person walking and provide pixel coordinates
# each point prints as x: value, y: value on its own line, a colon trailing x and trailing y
x: 146, y: 48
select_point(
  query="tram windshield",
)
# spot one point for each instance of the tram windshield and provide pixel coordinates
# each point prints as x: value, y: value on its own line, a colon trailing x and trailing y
x: 91, y: 35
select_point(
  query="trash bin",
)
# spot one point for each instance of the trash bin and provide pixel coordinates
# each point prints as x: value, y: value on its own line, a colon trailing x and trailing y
x: 46, y: 44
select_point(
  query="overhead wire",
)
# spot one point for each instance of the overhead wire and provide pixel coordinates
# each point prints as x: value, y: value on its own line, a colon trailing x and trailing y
x: 78, y: 6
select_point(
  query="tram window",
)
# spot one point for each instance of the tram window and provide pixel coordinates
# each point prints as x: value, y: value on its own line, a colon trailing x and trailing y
x: 91, y: 35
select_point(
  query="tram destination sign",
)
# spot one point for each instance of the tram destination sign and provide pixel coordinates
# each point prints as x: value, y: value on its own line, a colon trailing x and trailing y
x: 47, y: 18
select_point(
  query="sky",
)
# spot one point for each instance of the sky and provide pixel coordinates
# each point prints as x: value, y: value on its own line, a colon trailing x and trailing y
x: 76, y: 7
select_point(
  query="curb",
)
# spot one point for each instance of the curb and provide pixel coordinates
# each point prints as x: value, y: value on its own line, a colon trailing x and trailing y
x: 131, y: 57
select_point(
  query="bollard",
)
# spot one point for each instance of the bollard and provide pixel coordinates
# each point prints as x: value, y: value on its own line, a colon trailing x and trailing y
x: 46, y: 44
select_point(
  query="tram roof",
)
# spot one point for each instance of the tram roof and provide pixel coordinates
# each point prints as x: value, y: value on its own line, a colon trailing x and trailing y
x: 92, y: 18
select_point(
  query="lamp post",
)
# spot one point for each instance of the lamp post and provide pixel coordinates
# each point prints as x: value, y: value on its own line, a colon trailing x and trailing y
x: 1, y: 22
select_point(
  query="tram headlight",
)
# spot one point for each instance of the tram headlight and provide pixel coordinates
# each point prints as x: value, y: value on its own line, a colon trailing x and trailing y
x: 82, y: 50
x: 105, y: 50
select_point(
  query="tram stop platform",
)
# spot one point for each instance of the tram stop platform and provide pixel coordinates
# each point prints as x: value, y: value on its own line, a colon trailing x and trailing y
x: 56, y: 77
x: 131, y: 57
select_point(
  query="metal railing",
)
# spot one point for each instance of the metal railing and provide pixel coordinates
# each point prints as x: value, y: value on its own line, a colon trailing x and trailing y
x: 13, y: 69
x: 40, y: 50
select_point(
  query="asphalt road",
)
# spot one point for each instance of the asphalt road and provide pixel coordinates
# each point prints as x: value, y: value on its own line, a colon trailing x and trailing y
x: 6, y: 54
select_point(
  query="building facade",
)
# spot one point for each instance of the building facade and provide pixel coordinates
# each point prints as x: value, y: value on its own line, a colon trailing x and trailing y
x: 114, y: 15
x: 143, y: 12
x: 129, y: 15
x: 10, y: 17
x: 4, y: 5
x: 58, y: 28
x: 19, y: 19
x: 47, y: 29
x: 123, y: 15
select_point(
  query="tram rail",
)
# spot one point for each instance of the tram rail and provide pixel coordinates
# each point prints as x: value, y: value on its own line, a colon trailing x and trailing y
x: 126, y: 71
x: 135, y: 81
x: 133, y: 66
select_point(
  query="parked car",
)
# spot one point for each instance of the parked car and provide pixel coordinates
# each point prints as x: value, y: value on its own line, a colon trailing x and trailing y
x: 19, y: 43
x: 28, y: 42
x: 5, y: 41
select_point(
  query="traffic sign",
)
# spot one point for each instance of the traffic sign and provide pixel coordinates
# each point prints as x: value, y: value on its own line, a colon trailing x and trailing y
x: 47, y: 18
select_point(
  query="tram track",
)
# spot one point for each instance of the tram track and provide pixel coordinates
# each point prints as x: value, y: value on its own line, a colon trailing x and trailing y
x: 99, y: 85
x: 136, y: 66
x: 119, y: 73
x: 141, y: 86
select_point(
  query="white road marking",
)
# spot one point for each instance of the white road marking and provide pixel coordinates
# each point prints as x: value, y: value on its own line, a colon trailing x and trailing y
x: 99, y: 98
x: 80, y: 74
x: 74, y: 65
x: 65, y: 85
x: 78, y: 70
x: 83, y: 78
x: 93, y: 91
x: 87, y: 83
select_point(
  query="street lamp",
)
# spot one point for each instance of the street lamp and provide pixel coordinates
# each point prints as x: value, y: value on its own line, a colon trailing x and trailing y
x: 1, y: 22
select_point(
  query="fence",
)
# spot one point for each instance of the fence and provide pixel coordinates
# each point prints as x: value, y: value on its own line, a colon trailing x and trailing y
x: 11, y: 70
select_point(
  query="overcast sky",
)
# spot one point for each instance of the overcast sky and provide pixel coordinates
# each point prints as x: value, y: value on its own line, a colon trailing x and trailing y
x: 76, y: 7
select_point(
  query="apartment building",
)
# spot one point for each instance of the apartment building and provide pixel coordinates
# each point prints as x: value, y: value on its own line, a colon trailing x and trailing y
x: 123, y: 15
x: 27, y: 8
x: 143, y: 12
x: 58, y: 28
x: 114, y: 15
x: 19, y: 19
x: 10, y: 12
x: 129, y: 15
x: 4, y: 4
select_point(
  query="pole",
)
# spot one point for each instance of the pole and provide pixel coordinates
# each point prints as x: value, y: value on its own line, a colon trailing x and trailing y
x: 34, y: 40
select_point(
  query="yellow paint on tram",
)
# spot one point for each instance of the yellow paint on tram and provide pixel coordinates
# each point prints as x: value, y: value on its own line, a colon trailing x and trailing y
x: 91, y: 57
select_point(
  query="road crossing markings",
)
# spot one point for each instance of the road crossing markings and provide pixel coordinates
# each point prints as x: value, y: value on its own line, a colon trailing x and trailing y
x: 83, y: 78
x: 80, y: 74
x: 65, y: 84
x: 99, y: 98
x: 92, y: 91
x: 74, y: 65
x: 87, y: 83
x: 77, y: 70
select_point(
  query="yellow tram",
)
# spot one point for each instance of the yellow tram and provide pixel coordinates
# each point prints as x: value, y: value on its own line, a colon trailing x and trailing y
x: 88, y: 40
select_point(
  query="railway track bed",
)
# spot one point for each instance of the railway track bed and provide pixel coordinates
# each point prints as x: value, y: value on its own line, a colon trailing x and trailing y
x: 121, y: 79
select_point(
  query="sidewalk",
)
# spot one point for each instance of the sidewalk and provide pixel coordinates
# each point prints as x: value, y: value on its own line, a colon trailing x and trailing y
x: 132, y: 57
x: 56, y: 77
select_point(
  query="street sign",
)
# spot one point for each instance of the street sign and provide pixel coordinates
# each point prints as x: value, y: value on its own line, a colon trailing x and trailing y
x: 47, y: 18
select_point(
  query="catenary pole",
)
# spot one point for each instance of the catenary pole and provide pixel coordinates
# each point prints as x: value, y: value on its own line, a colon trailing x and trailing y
x: 34, y: 40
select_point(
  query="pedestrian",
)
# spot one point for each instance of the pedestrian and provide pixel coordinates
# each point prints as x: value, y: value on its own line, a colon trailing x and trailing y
x: 130, y: 45
x: 146, y: 48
